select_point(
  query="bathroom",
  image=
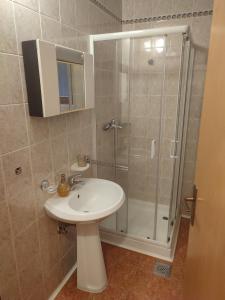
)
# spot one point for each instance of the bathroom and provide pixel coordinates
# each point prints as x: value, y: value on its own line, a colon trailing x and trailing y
x: 128, y: 135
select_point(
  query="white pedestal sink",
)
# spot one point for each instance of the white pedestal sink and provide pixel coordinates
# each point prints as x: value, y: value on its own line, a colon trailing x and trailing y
x: 91, y: 201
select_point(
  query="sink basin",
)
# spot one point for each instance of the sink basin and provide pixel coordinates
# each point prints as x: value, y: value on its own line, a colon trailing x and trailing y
x: 91, y: 201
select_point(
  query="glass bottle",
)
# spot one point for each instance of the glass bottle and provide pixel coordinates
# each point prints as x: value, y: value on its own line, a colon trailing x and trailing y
x: 63, y: 187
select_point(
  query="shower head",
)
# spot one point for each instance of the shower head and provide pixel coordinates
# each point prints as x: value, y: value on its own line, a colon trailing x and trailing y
x: 151, y: 62
x: 111, y: 125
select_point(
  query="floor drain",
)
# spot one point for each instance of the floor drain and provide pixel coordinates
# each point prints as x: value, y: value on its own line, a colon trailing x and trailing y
x: 162, y: 269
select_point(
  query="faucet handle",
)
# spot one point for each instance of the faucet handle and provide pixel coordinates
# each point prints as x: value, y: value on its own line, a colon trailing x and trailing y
x: 73, y: 179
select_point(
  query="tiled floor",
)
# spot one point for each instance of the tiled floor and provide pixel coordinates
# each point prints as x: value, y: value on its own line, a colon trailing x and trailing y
x: 130, y: 275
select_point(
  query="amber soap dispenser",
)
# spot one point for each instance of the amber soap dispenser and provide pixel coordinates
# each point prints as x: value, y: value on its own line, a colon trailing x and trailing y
x: 63, y: 187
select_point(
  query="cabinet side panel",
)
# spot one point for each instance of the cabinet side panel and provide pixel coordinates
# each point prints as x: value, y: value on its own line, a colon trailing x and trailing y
x: 32, y: 77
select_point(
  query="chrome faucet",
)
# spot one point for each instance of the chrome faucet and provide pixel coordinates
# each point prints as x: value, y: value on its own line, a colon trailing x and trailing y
x: 73, y: 180
x: 111, y: 125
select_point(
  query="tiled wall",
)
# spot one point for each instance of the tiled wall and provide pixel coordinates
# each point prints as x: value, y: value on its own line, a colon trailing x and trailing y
x: 196, y: 14
x: 33, y: 257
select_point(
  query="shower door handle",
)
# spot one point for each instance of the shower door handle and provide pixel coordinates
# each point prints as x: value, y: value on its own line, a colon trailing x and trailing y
x: 173, y: 148
x: 152, y: 155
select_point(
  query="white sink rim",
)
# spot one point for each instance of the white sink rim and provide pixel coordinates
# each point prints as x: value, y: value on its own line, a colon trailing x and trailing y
x: 60, y: 209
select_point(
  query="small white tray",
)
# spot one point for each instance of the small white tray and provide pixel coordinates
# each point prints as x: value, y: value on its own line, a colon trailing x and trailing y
x: 76, y: 168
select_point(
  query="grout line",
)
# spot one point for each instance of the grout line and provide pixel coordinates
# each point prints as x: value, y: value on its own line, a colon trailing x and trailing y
x: 27, y: 7
x: 2, y: 52
x: 15, y: 27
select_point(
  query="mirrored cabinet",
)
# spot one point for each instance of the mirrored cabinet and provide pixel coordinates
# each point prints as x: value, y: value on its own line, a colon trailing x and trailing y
x: 59, y: 79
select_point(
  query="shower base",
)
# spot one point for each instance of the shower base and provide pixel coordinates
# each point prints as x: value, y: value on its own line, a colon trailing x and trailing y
x: 140, y: 230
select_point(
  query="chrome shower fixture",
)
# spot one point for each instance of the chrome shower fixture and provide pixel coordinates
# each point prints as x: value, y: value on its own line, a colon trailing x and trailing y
x: 111, y: 125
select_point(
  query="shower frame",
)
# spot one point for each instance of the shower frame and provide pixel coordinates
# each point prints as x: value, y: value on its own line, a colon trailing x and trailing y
x: 154, y: 247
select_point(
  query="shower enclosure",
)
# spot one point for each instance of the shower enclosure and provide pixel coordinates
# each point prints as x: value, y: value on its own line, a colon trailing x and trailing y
x: 143, y: 83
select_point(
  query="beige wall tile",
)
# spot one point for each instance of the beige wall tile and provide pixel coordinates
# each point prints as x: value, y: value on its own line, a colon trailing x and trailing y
x: 74, y: 121
x: 67, y: 242
x: 83, y: 15
x: 87, y: 141
x: 10, y: 83
x: 16, y: 183
x: 8, y: 264
x: 68, y: 260
x: 41, y: 196
x: 7, y: 32
x: 162, y: 7
x: 2, y: 186
x: 50, y: 8
x: 67, y: 11
x: 23, y: 82
x: 114, y: 6
x: 182, y: 6
x: 172, y: 83
x: 41, y: 161
x: 38, y: 129
x: 153, y: 128
x: 22, y: 207
x: 60, y: 153
x: 49, y: 243
x: 5, y: 231
x: 86, y: 118
x: 10, y: 289
x: 14, y: 132
x: 127, y: 9
x: 170, y: 104
x: 53, y: 278
x: 154, y: 107
x: 51, y: 30
x: 26, y: 246
x: 74, y: 144
x: 69, y: 37
x: 201, y: 31
x: 143, y: 8
x: 24, y: 16
x: 166, y: 167
x: 57, y: 125
x: 31, y: 280
x: 139, y: 106
x: 138, y: 127
x: 202, y: 5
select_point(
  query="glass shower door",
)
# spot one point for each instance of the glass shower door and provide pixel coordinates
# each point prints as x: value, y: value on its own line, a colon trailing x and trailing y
x: 147, y: 72
x: 111, y: 144
x: 170, y: 138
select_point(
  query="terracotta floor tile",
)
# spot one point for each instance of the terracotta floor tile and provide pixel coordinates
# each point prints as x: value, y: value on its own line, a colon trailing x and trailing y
x: 130, y: 275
